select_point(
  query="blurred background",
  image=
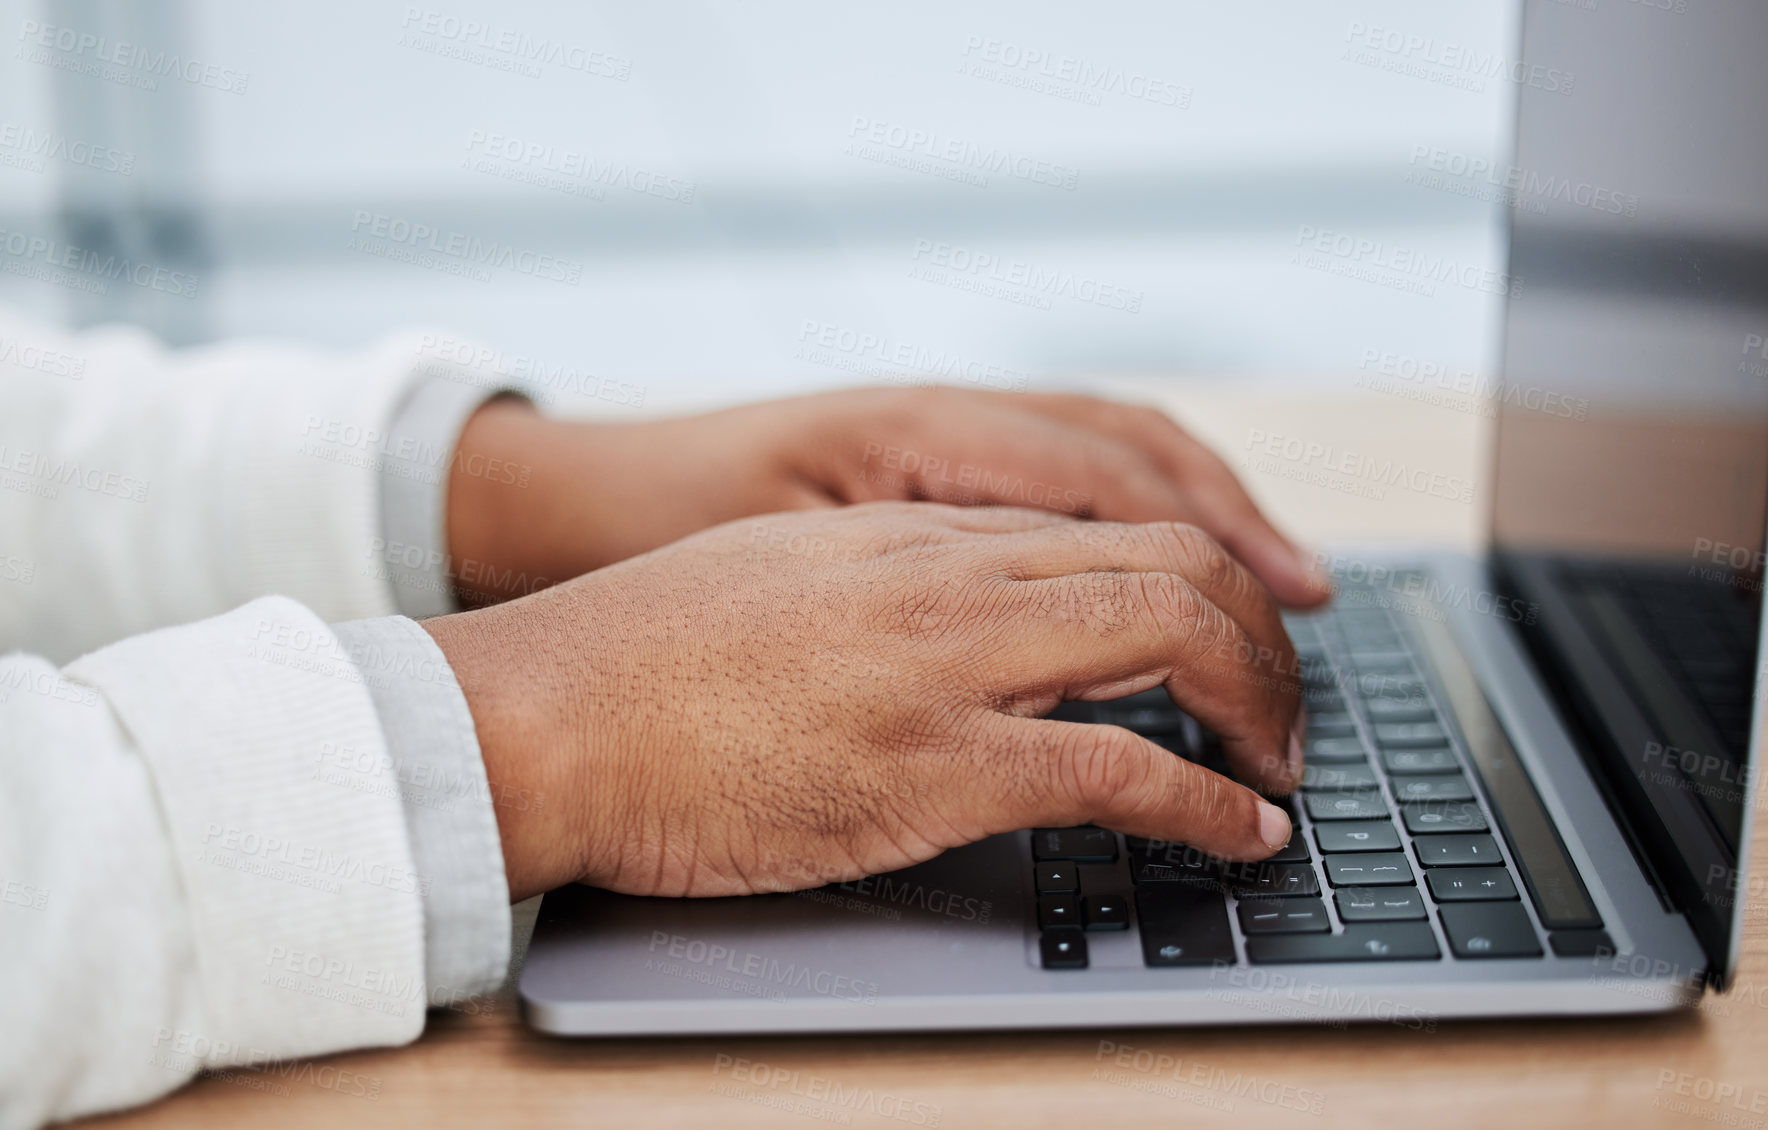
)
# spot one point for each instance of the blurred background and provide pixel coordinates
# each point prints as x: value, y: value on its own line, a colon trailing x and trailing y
x: 680, y: 203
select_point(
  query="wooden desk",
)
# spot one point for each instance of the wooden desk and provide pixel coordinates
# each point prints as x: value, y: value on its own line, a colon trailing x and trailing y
x: 489, y: 1070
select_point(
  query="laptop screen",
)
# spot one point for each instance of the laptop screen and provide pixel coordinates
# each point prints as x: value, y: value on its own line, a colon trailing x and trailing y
x: 1631, y: 475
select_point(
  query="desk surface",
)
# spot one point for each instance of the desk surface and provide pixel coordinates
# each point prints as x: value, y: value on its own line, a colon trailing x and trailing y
x: 1708, y: 1065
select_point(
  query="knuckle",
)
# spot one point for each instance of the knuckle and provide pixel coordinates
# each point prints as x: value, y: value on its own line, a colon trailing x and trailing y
x: 1102, y: 769
x: 1217, y: 802
x: 1206, y: 559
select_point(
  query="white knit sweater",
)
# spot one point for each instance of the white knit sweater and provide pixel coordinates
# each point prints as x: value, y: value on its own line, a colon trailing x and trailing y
x: 181, y: 887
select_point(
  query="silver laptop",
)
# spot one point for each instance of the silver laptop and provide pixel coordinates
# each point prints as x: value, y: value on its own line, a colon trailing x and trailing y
x: 1529, y: 785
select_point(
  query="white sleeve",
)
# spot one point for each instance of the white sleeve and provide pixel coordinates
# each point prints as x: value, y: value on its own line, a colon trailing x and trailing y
x: 141, y: 487
x: 181, y: 885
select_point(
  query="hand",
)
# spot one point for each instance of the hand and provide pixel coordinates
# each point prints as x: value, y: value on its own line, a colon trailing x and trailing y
x: 603, y: 492
x: 796, y: 699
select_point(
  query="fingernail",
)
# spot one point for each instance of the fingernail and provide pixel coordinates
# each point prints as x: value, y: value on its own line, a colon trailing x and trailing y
x: 1313, y: 566
x: 1273, y: 825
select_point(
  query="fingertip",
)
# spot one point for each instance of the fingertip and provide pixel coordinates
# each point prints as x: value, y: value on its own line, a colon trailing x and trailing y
x: 1273, y: 825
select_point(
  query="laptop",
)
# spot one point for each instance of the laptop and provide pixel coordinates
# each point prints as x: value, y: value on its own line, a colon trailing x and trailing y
x: 1529, y: 772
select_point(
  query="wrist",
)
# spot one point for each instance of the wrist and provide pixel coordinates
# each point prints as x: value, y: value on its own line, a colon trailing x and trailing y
x: 514, y: 525
x: 501, y: 675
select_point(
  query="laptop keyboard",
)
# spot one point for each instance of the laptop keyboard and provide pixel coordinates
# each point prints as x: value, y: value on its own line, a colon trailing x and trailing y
x: 1393, y: 856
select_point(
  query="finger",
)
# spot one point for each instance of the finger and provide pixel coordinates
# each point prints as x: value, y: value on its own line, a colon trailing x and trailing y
x: 1261, y: 653
x: 1223, y: 506
x: 1101, y: 635
x: 981, y: 452
x: 1065, y: 773
x: 991, y: 519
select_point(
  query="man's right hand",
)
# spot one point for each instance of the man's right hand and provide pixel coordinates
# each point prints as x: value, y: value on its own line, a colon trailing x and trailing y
x: 801, y: 698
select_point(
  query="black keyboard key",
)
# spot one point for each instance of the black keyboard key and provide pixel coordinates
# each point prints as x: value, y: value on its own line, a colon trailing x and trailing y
x: 1162, y: 873
x: 1400, y: 710
x: 1064, y: 949
x: 1437, y: 786
x: 1380, y: 904
x: 1581, y: 943
x: 1106, y: 912
x: 1470, y: 884
x: 1399, y: 686
x: 1296, y: 850
x: 1183, y: 925
x: 1271, y: 880
x: 1365, y: 941
x: 1431, y: 816
x: 1145, y: 720
x: 1369, y: 659
x: 1463, y: 849
x: 1369, y: 869
x: 1357, y: 835
x: 1338, y: 778
x: 1331, y: 726
x: 1409, y: 735
x: 1083, y: 845
x: 1490, y: 929
x: 1284, y: 916
x: 1057, y: 877
x: 1164, y: 861
x: 1058, y: 912
x: 1346, y: 806
x: 1335, y: 751
x: 1439, y: 760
